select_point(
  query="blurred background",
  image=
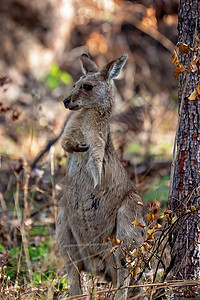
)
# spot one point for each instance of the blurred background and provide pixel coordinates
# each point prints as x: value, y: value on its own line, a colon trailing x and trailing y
x: 41, y: 42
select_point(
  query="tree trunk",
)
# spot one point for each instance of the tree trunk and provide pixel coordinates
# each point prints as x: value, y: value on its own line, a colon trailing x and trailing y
x: 185, y: 186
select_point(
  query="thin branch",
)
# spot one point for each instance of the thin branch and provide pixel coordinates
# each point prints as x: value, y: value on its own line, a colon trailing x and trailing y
x: 152, y: 32
x: 50, y: 143
x: 158, y: 285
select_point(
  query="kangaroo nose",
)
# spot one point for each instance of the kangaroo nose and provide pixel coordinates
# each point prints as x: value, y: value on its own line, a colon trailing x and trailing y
x: 67, y: 101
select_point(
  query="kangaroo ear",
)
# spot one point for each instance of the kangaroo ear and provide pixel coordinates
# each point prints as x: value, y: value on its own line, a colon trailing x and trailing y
x: 113, y: 69
x: 87, y: 65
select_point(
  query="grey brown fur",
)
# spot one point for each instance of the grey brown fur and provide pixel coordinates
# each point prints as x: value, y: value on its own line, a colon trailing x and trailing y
x: 99, y: 198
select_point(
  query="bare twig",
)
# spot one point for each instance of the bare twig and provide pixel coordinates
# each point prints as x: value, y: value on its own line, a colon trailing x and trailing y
x: 152, y: 32
x: 23, y: 231
x: 3, y: 203
x: 50, y: 143
x: 53, y: 184
x: 171, y: 284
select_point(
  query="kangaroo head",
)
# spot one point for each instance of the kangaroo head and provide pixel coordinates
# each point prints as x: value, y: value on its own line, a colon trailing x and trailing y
x: 94, y: 90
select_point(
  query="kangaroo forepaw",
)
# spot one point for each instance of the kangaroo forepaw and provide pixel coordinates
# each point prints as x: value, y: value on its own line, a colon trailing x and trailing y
x: 74, y: 147
x: 81, y: 148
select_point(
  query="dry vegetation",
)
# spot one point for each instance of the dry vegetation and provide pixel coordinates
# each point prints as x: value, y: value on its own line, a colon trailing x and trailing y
x: 41, y: 44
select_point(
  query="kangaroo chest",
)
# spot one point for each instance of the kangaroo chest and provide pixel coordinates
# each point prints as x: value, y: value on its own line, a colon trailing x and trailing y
x: 88, y: 211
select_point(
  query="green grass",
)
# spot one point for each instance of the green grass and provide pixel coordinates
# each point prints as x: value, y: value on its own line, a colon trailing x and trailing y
x: 158, y: 191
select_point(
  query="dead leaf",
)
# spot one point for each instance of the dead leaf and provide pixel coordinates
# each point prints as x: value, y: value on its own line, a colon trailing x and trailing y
x: 150, y: 217
x: 194, y: 67
x: 175, y: 59
x: 178, y: 71
x: 15, y: 114
x: 196, y: 37
x: 143, y: 250
x: 167, y: 218
x: 106, y: 239
x: 184, y: 48
x: 151, y: 242
x: 95, y: 227
x: 168, y: 212
x: 149, y: 233
x: 4, y: 80
x: 137, y: 223
x: 158, y: 226
x: 193, y: 95
x: 198, y: 88
x: 174, y: 219
x: 134, y: 253
x: 113, y: 249
x: 135, y: 271
x: 116, y: 241
x: 140, y: 203
x: 193, y: 208
x: 17, y: 165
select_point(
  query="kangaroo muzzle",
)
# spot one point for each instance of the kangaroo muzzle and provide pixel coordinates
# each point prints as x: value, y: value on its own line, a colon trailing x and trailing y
x: 67, y: 102
x: 70, y: 105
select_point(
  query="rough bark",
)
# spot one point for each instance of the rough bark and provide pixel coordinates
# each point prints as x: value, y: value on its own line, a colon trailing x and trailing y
x: 185, y: 191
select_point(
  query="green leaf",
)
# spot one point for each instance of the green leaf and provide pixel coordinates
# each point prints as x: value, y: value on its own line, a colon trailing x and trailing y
x: 55, y: 71
x: 1, y: 248
x: 66, y: 78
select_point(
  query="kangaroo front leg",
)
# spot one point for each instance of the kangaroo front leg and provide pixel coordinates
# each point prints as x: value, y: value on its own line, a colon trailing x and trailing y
x: 70, y: 146
x: 73, y: 139
x: 95, y: 162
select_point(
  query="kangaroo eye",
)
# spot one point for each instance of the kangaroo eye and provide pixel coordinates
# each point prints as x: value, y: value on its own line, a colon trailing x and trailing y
x: 88, y: 87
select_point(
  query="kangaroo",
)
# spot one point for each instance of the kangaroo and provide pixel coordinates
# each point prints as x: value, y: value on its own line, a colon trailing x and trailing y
x: 99, y: 198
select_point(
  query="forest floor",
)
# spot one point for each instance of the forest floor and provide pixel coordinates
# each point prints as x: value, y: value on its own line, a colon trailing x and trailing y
x: 32, y: 113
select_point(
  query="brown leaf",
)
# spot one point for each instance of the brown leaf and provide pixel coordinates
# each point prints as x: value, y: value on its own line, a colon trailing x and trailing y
x: 174, y: 219
x: 4, y: 109
x: 134, y: 253
x: 106, y: 239
x: 116, y: 241
x: 15, y: 115
x: 198, y: 88
x: 150, y: 217
x: 135, y: 271
x: 178, y: 71
x: 193, y: 95
x: 193, y: 208
x: 167, y: 218
x: 143, y: 249
x: 184, y: 48
x: 175, y: 59
x: 137, y: 223
x: 158, y: 226
x: 150, y: 242
x: 113, y: 249
x: 4, y: 80
x: 149, y: 233
x: 168, y: 212
x: 196, y: 37
x: 194, y: 67
x: 95, y: 227
x: 17, y: 165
